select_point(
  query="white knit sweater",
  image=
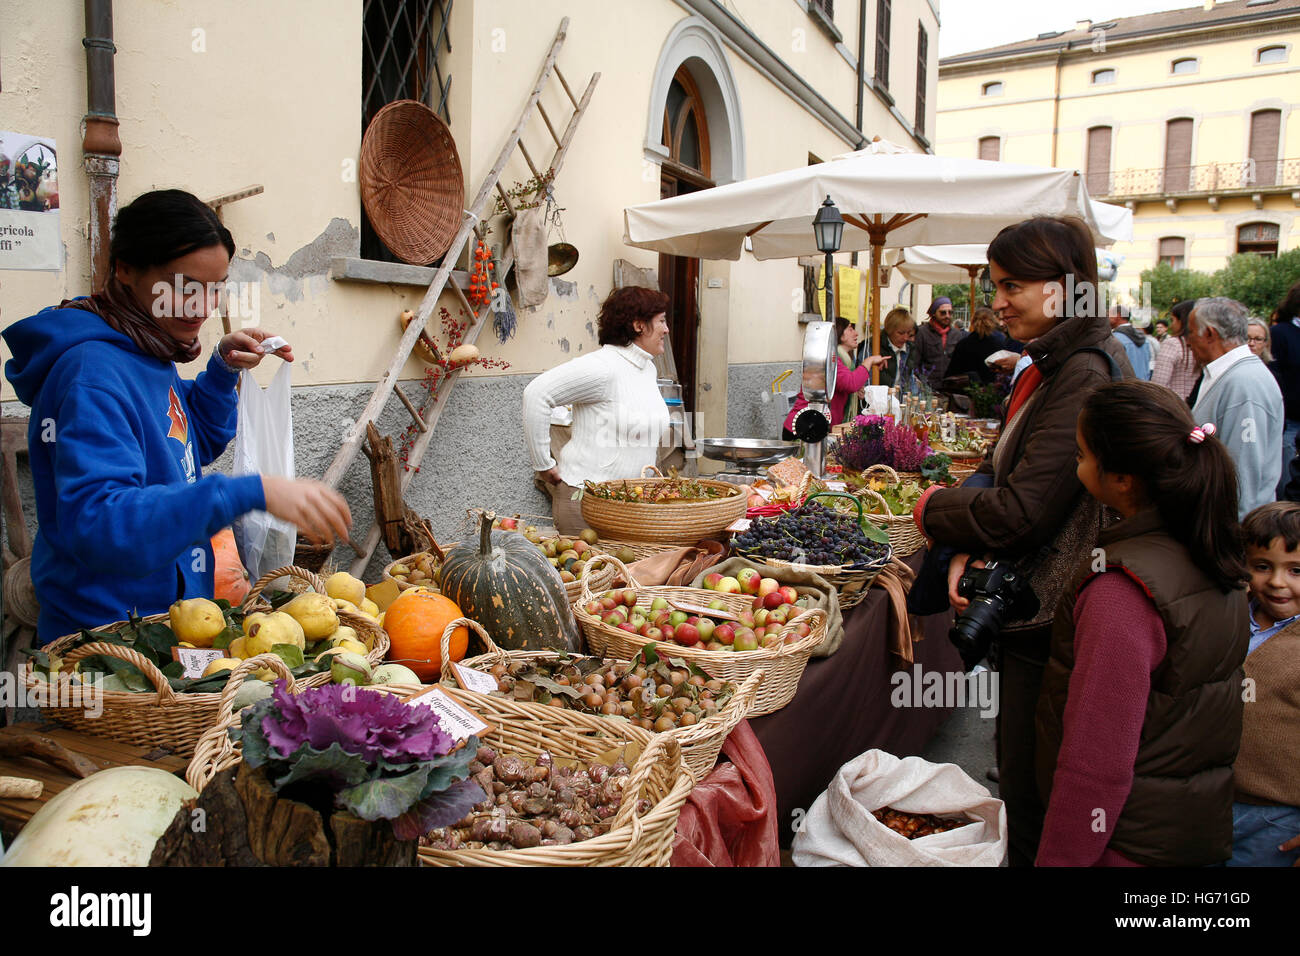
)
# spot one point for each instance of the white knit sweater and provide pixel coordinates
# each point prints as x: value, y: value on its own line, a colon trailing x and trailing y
x: 619, y: 417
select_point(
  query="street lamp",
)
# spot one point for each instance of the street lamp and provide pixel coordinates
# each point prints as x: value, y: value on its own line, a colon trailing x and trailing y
x: 828, y: 228
x: 986, y: 286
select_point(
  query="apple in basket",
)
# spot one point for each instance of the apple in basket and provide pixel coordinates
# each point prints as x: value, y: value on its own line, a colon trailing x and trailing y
x: 595, y: 607
x: 779, y: 616
x: 746, y: 640
x: 767, y: 585
x: 667, y: 630
x: 749, y: 579
x: 774, y: 599
x: 660, y: 604
x: 717, y: 605
x: 677, y: 618
x: 789, y: 594
x: 724, y: 633
x: 711, y: 582
x: 652, y: 633
x: 686, y: 634
x: 706, y: 626
x: 746, y: 618
x: 728, y: 586
x: 628, y: 626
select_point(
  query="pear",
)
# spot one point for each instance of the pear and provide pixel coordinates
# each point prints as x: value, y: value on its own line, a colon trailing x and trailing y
x: 272, y: 629
x: 316, y: 614
x: 197, y: 621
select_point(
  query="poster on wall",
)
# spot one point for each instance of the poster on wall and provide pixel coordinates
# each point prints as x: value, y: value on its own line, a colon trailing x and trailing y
x: 29, y: 203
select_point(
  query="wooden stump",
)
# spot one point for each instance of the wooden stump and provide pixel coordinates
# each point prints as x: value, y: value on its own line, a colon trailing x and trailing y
x: 239, y: 820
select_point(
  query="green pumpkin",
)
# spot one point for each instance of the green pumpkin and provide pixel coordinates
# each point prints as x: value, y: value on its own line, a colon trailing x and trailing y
x: 502, y: 580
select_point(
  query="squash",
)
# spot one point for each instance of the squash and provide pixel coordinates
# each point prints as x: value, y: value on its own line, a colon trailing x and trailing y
x: 505, y: 583
x: 231, y: 578
x: 415, y: 622
x: 111, y: 818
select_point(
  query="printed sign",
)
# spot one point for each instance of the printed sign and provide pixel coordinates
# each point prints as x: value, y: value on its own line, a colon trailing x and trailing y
x: 475, y: 680
x: 29, y: 203
x: 195, y: 660
x: 456, y: 720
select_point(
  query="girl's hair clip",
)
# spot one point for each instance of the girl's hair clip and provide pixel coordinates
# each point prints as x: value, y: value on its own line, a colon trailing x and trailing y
x: 1200, y: 431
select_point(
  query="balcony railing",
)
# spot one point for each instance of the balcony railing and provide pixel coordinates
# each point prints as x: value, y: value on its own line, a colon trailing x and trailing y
x: 1206, y: 179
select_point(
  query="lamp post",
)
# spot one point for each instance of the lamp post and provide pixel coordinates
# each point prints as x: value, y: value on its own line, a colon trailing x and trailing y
x: 986, y: 287
x: 828, y: 228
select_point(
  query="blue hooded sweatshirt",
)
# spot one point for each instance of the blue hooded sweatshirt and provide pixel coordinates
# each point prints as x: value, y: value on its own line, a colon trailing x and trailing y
x: 117, y: 440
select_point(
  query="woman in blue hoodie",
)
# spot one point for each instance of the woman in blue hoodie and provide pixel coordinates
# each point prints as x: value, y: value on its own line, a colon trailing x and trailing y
x: 118, y: 439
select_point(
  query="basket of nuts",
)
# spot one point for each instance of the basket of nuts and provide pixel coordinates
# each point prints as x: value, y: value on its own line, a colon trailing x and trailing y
x: 656, y: 692
x: 419, y: 570
x: 783, y: 650
x: 565, y: 789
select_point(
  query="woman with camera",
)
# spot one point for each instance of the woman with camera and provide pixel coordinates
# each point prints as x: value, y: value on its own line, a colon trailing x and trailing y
x: 1025, y: 505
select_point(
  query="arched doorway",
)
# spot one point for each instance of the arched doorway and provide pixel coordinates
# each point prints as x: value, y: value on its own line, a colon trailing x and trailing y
x: 686, y: 169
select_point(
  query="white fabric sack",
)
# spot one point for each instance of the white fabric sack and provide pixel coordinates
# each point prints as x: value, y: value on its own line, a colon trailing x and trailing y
x: 528, y: 239
x: 839, y: 830
x: 264, y: 446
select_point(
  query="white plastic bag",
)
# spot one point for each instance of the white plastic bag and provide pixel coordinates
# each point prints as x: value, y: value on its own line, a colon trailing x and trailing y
x: 264, y: 446
x: 839, y: 830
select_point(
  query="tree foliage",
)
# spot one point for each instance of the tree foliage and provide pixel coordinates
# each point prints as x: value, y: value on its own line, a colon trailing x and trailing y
x: 1256, y: 282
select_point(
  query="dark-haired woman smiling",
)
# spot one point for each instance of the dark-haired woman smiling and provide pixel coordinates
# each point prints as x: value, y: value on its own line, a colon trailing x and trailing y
x: 118, y: 439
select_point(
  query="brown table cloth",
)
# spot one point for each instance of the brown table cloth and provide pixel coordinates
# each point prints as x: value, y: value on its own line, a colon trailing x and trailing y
x: 842, y: 707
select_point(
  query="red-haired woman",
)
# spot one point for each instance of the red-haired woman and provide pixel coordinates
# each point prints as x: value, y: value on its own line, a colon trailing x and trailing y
x: 619, y: 416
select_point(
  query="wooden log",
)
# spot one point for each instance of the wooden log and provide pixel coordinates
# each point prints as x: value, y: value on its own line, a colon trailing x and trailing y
x: 24, y: 743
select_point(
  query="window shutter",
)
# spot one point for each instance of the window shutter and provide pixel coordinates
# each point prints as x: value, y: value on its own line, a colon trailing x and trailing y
x: 882, y: 43
x: 922, y: 44
x: 1099, y: 160
x: 991, y: 148
x: 1178, y: 155
x: 1264, y: 128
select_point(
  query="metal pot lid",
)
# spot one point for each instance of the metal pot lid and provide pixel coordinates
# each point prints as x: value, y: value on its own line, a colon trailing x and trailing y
x: 560, y: 258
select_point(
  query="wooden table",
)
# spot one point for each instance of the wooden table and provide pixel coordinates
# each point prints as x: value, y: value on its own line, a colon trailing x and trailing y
x: 14, y: 813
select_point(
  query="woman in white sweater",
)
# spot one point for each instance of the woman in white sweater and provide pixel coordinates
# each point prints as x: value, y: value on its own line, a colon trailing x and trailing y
x: 619, y: 416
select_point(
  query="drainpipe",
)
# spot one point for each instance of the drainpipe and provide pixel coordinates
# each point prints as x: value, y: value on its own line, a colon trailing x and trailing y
x: 100, y: 143
x: 1056, y: 102
x: 862, y: 49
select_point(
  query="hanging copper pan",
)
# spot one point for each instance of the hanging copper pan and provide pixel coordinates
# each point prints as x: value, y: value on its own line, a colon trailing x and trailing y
x: 560, y: 258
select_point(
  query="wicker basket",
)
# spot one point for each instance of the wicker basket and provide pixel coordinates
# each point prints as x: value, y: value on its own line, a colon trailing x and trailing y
x: 165, y: 718
x: 216, y: 751
x: 700, y: 743
x: 904, y: 536
x: 404, y: 585
x: 376, y: 639
x: 784, y: 663
x: 411, y: 181
x: 851, y: 582
x: 675, y: 523
x: 572, y: 588
x: 634, y: 838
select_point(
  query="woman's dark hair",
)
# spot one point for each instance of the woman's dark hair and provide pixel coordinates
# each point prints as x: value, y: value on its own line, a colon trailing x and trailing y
x: 163, y: 225
x: 1046, y: 249
x: 983, y: 323
x: 1143, y: 429
x: 1278, y: 519
x: 1289, y: 307
x: 1180, y: 311
x: 841, y: 326
x: 622, y: 308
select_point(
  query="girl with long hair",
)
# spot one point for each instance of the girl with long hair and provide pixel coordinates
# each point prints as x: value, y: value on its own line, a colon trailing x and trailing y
x: 1140, y: 714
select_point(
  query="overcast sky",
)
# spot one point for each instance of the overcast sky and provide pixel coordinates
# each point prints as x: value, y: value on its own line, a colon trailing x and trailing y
x: 966, y: 25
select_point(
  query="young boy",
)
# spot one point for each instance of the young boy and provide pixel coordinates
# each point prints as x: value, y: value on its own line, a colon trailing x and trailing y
x: 1266, y: 814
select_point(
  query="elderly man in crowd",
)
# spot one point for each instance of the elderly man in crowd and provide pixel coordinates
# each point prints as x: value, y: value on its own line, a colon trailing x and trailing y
x: 936, y: 339
x: 1239, y: 396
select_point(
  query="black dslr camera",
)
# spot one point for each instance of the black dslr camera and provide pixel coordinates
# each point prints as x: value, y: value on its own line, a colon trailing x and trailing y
x: 998, y: 592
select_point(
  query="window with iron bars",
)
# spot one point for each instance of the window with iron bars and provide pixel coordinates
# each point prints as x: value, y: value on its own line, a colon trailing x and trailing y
x: 825, y: 6
x: 404, y: 46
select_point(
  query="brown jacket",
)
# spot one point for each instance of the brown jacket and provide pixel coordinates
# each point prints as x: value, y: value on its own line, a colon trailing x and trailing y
x: 1268, y: 766
x: 1179, y: 810
x: 1036, y: 498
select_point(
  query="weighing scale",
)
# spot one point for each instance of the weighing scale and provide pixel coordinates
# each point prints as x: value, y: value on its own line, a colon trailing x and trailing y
x: 747, y: 456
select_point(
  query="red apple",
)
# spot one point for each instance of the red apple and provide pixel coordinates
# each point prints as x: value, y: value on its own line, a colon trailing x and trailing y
x: 773, y: 600
x: 760, y: 617
x: 711, y: 581
x: 749, y: 580
x: 594, y: 607
x: 667, y: 632
x: 728, y: 586
x: 509, y: 524
x: 789, y: 594
x: 608, y: 603
x: 724, y: 633
x: 779, y: 616
x: 746, y: 618
x: 746, y: 640
x: 756, y: 604
x: 686, y: 634
x: 627, y: 626
x: 767, y: 640
x: 802, y: 630
x: 767, y: 585
x: 629, y: 597
x: 652, y: 633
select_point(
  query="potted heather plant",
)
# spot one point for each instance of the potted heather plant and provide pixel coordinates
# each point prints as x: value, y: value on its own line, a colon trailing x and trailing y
x: 876, y: 440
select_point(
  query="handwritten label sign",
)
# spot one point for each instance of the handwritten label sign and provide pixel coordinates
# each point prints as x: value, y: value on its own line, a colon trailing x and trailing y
x: 475, y: 680
x: 703, y: 611
x: 739, y: 525
x: 456, y: 720
x: 195, y: 660
x: 837, y: 486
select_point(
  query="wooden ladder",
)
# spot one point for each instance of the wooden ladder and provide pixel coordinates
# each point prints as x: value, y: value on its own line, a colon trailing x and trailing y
x: 471, y: 227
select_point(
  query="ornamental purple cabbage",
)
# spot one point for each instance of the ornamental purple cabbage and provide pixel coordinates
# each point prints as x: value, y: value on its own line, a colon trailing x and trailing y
x: 369, y: 724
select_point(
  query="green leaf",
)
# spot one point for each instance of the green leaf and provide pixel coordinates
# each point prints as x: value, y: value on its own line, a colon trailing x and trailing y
x: 129, y: 673
x: 333, y: 766
x: 386, y: 797
x: 438, y: 810
x: 256, y: 751
x: 874, y: 532
x: 449, y: 768
x: 648, y: 655
x: 226, y: 638
x: 174, y: 669
x: 555, y: 688
x: 291, y: 654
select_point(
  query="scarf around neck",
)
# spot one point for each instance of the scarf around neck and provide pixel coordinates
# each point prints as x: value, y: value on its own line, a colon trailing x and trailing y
x: 119, y: 309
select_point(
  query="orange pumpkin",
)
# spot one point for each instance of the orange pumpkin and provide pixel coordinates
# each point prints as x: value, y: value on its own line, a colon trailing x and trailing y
x: 231, y: 578
x: 415, y: 622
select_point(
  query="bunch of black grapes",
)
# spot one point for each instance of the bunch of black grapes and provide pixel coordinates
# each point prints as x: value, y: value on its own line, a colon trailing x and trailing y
x: 813, y: 534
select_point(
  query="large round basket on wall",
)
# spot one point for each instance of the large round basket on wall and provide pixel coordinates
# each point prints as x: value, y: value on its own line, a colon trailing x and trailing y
x: 412, y: 185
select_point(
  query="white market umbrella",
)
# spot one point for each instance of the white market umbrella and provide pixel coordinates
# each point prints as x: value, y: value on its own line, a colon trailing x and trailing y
x: 886, y: 198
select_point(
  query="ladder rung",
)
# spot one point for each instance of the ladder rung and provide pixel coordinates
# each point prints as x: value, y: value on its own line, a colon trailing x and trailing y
x: 565, y: 83
x: 547, y: 120
x: 524, y: 149
x: 415, y: 412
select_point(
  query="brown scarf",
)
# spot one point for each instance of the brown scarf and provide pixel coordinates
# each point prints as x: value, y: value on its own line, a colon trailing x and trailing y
x: 118, y: 307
